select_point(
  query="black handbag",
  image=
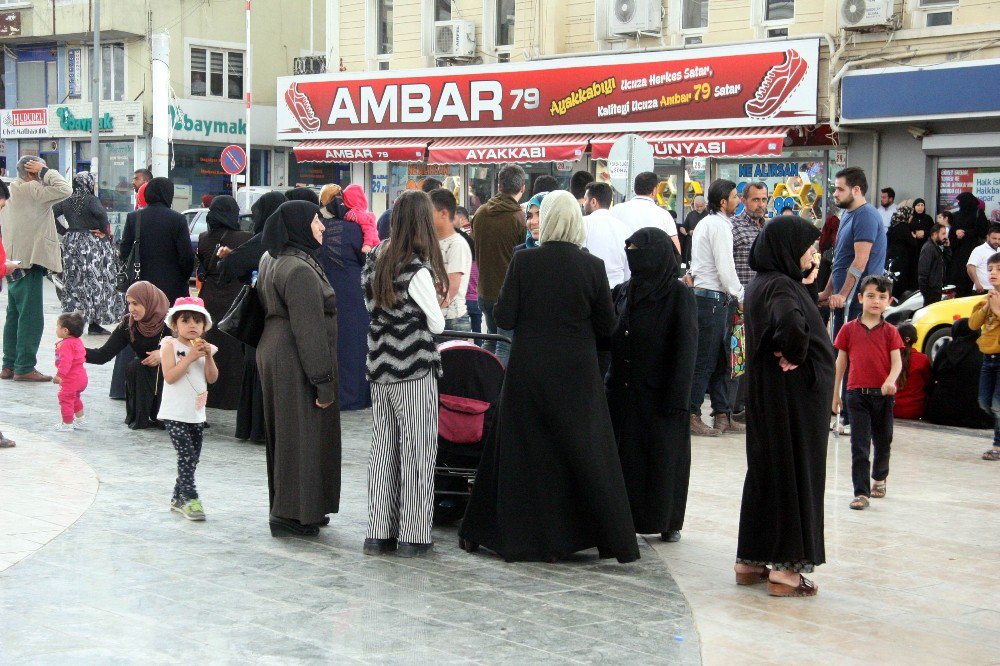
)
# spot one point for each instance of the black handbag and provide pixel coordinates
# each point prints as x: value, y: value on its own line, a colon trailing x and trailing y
x: 245, y: 318
x: 128, y: 274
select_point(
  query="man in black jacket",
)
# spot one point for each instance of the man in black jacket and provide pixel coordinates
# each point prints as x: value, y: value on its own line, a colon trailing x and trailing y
x: 933, y: 264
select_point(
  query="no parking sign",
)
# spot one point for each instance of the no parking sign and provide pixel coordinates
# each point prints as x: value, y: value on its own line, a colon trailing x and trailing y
x: 233, y: 160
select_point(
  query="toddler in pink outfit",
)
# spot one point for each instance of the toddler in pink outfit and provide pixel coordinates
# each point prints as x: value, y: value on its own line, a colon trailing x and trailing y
x: 71, y: 376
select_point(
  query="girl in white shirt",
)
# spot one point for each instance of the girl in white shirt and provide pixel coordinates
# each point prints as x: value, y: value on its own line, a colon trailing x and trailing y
x: 188, y: 369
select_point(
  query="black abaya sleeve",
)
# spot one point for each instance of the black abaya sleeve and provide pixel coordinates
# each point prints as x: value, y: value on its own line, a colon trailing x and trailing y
x: 118, y: 341
x: 505, y: 311
x: 242, y: 262
x: 602, y: 309
x: 683, y: 349
x: 789, y: 331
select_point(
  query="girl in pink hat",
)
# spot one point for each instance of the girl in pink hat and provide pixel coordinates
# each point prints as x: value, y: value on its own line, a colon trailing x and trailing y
x: 188, y: 369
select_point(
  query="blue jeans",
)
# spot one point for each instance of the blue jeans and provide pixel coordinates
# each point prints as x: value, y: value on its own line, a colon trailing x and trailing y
x: 501, y: 349
x: 475, y: 317
x: 711, y: 367
x: 989, y: 391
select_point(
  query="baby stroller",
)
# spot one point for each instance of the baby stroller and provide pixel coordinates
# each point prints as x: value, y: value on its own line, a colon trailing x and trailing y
x: 468, y: 396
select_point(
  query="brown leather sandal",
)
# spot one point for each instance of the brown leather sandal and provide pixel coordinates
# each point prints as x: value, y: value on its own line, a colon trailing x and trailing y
x: 878, y: 489
x: 6, y: 443
x: 752, y: 577
x: 805, y: 588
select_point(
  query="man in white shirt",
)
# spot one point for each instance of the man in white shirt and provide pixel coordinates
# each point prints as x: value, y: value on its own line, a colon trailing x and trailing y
x: 977, y: 268
x: 457, y: 261
x: 642, y: 210
x: 606, y: 234
x: 887, y: 206
x: 717, y: 288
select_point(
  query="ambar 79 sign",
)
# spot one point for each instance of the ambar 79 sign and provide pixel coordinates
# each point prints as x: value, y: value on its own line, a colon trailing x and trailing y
x: 750, y: 85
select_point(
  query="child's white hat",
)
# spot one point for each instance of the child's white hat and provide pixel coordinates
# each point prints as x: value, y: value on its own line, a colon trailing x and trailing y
x: 189, y: 304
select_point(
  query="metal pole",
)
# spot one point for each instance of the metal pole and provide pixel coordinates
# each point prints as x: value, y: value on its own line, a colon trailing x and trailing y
x: 249, y: 81
x: 95, y: 94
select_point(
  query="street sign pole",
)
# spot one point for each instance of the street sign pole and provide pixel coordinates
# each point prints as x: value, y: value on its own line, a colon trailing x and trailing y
x: 630, y: 155
x: 95, y: 96
x: 248, y: 78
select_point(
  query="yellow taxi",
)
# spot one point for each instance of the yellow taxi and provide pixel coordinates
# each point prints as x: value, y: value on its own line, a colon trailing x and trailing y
x: 933, y: 323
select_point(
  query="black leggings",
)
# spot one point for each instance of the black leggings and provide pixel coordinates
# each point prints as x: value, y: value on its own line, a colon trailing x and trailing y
x: 187, y: 439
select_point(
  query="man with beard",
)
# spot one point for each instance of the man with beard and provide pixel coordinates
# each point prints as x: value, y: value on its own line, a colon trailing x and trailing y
x: 976, y: 266
x: 887, y: 207
x: 932, y: 264
x: 691, y: 220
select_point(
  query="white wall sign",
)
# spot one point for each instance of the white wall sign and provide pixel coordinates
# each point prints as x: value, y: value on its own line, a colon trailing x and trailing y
x: 210, y: 121
x: 21, y: 123
x: 115, y: 119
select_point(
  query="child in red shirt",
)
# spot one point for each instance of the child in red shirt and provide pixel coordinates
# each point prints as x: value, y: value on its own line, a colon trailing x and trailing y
x: 71, y: 376
x: 911, y: 394
x: 872, y: 346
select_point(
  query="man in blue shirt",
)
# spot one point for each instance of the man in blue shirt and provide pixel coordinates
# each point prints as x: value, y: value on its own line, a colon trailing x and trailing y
x: 861, y: 246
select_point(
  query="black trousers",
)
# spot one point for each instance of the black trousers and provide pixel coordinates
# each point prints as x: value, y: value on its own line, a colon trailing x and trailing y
x: 871, y: 424
x: 931, y: 296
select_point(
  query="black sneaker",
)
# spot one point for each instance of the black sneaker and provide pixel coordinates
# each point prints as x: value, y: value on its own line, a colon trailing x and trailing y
x: 379, y: 546
x: 407, y: 549
x: 97, y: 329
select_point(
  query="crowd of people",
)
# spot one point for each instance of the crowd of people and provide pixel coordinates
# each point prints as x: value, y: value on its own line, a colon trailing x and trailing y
x: 613, y: 322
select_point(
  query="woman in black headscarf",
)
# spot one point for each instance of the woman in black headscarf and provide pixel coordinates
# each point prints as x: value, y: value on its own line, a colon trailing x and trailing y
x: 790, y: 364
x: 297, y: 361
x: 241, y: 264
x: 968, y: 229
x: 303, y: 194
x: 902, y: 248
x: 649, y: 385
x: 223, y: 232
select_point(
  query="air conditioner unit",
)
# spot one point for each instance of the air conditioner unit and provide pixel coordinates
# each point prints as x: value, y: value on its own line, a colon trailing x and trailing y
x: 864, y: 14
x: 633, y: 17
x: 455, y: 39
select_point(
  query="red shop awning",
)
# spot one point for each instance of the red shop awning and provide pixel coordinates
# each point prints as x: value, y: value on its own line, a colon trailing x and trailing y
x: 362, y: 150
x: 485, y: 150
x: 702, y: 143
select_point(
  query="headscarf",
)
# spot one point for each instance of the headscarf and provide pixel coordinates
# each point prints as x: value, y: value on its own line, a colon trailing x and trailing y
x: 561, y: 219
x: 357, y: 205
x: 160, y: 191
x: 920, y: 201
x: 967, y: 202
x: 535, y: 201
x: 224, y: 213
x: 83, y: 185
x: 302, y: 194
x: 140, y: 197
x: 264, y: 207
x: 780, y: 245
x: 290, y: 226
x: 901, y: 215
x: 328, y: 193
x: 654, y: 264
x: 156, y: 304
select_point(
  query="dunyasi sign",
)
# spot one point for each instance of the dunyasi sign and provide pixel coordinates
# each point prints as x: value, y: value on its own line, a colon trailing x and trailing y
x: 750, y: 85
x: 20, y: 123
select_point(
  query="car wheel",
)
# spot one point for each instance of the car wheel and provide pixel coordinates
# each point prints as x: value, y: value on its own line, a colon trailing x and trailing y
x: 936, y: 341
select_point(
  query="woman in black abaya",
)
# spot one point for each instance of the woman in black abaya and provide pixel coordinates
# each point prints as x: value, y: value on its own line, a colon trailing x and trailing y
x: 551, y: 483
x: 649, y: 385
x: 790, y: 367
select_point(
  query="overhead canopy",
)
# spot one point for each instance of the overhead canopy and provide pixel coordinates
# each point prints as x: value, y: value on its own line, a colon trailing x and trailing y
x: 362, y: 150
x: 484, y: 150
x: 702, y: 143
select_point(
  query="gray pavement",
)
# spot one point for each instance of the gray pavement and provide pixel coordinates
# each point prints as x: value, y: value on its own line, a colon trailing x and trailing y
x: 131, y: 582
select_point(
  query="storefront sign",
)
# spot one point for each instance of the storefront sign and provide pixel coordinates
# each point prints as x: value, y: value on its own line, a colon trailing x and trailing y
x: 494, y: 150
x: 21, y: 123
x: 221, y: 122
x: 10, y: 24
x: 671, y: 145
x: 344, y: 150
x: 983, y: 182
x: 116, y: 119
x: 771, y: 83
x: 74, y: 77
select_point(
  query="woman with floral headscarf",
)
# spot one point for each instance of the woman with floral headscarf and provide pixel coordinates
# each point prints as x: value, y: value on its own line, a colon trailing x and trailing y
x: 903, y: 245
x: 89, y: 262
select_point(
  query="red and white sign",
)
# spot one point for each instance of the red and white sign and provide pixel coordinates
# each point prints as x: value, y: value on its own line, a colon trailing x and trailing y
x: 550, y: 148
x: 356, y: 150
x: 233, y: 159
x: 20, y: 123
x: 749, y: 85
x: 758, y: 142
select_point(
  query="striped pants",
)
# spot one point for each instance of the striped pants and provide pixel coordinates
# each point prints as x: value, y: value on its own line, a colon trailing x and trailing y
x: 401, y: 468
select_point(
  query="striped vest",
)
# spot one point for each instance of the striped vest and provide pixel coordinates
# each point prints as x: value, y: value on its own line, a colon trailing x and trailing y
x: 400, y: 346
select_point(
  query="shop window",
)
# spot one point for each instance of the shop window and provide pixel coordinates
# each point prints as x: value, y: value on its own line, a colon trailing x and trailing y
x: 779, y: 10
x: 114, y: 174
x: 317, y: 173
x: 383, y: 27
x: 216, y: 73
x: 800, y: 181
x: 37, y: 76
x: 112, y: 81
x: 503, y: 34
x: 694, y: 14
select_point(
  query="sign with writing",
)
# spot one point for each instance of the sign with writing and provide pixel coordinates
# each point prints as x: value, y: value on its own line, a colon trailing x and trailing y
x: 221, y: 122
x: 74, y: 76
x: 20, y: 123
x: 986, y: 187
x: 10, y: 24
x: 233, y: 160
x: 750, y: 85
x: 116, y: 119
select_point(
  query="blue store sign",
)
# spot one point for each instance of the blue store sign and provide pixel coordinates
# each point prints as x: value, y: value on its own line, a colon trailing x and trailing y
x: 911, y: 93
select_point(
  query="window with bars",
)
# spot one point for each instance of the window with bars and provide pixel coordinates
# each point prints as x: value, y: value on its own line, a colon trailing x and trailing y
x: 217, y: 73
x: 112, y: 71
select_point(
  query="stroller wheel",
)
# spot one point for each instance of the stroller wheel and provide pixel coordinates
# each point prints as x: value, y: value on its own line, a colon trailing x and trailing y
x: 468, y: 546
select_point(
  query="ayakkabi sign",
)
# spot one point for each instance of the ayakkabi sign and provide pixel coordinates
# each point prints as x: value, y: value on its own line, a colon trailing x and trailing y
x: 115, y: 119
x: 22, y: 123
x: 748, y: 85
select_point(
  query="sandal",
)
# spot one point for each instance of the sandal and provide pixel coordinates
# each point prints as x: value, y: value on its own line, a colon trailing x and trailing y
x: 859, y: 503
x: 992, y: 454
x: 752, y: 577
x: 6, y: 443
x: 878, y: 489
x: 805, y: 588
